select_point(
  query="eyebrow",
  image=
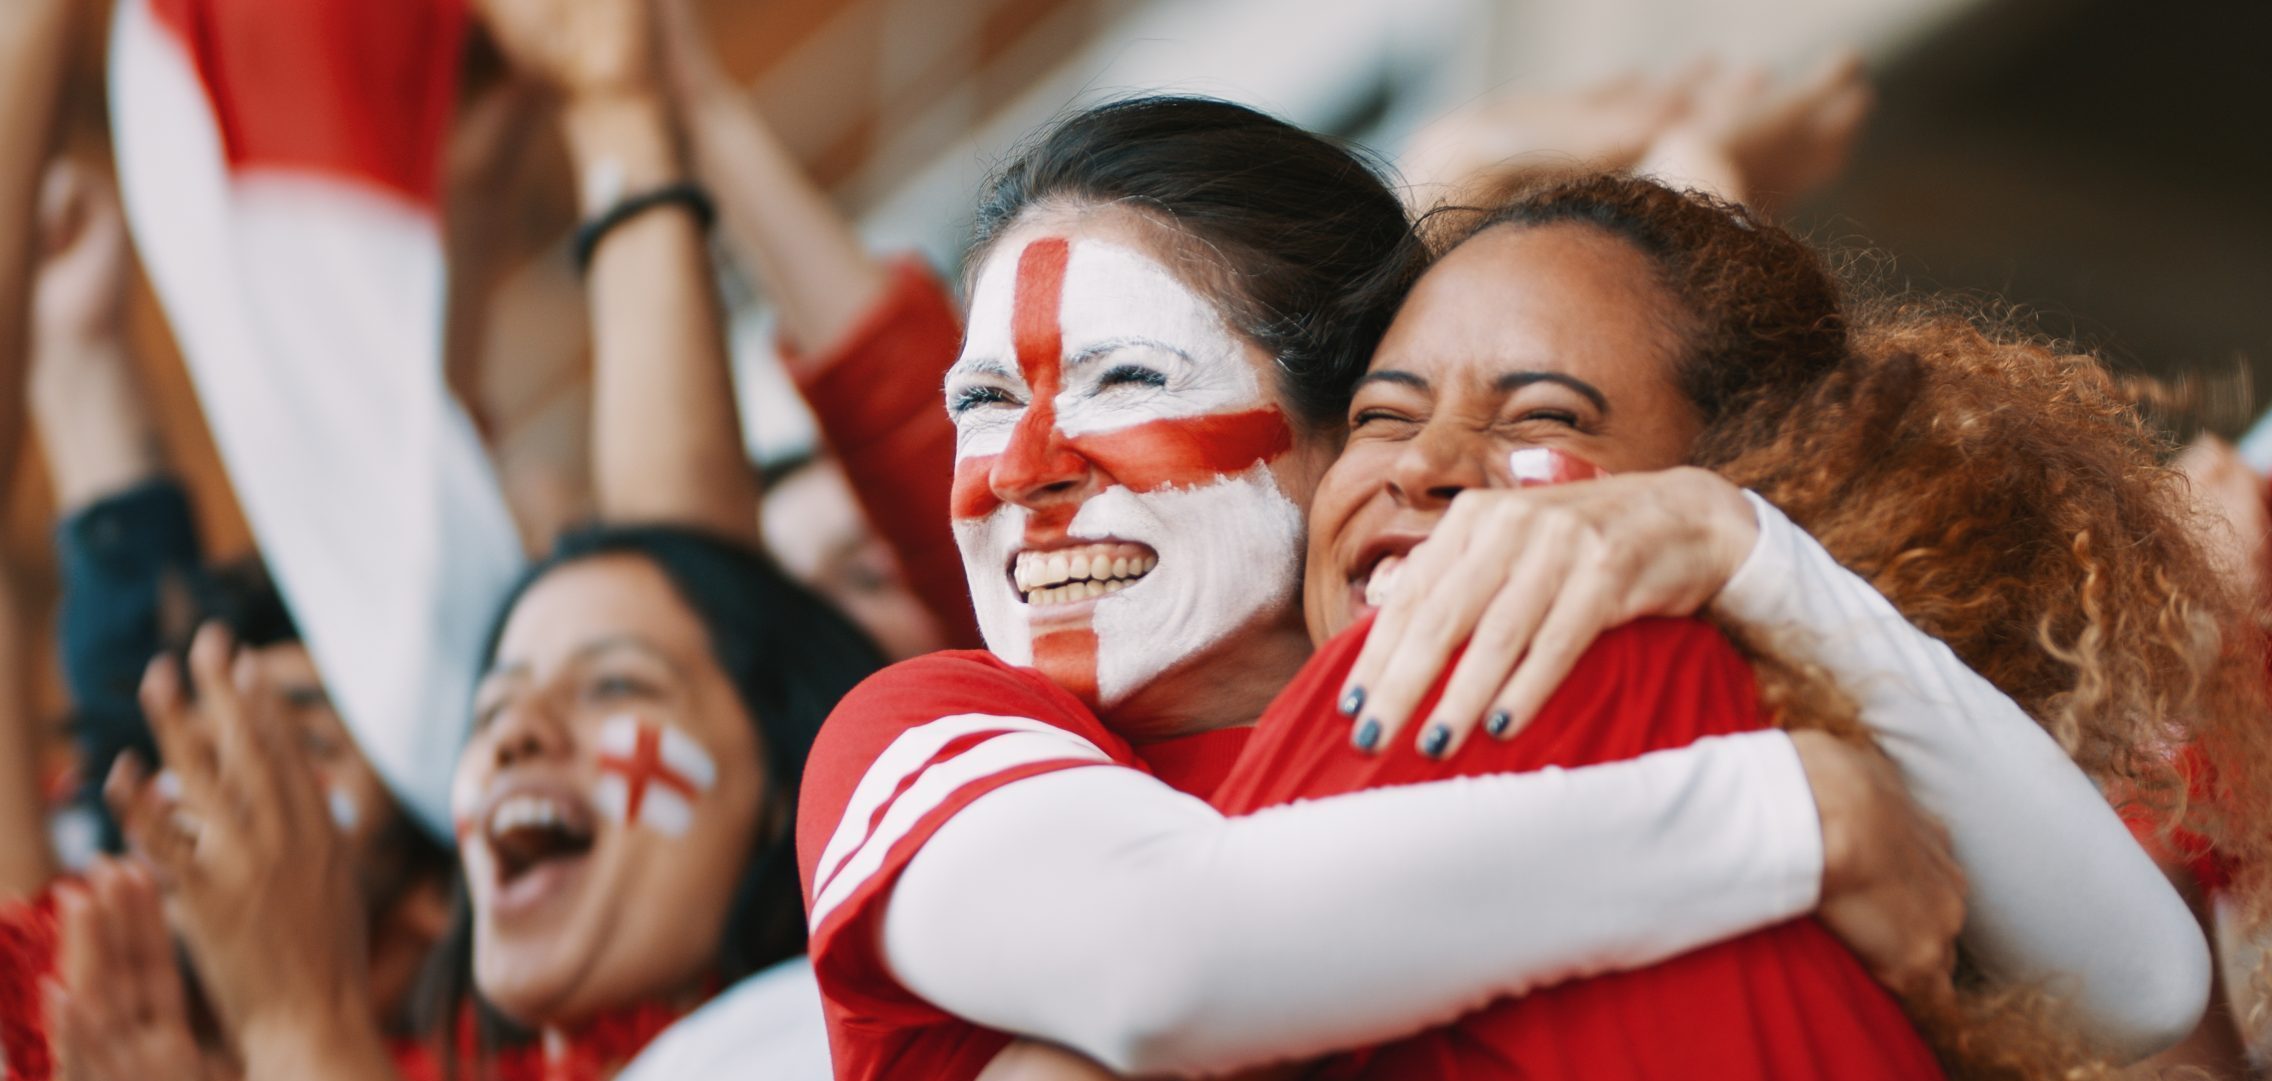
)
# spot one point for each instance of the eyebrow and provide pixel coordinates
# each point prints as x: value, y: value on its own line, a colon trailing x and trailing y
x: 591, y: 649
x: 1114, y: 345
x: 1391, y: 375
x: 986, y: 366
x: 1514, y: 381
x: 1505, y: 384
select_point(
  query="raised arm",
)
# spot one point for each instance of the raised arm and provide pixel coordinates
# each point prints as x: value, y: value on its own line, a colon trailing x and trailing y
x: 666, y: 441
x: 34, y: 46
x: 867, y: 341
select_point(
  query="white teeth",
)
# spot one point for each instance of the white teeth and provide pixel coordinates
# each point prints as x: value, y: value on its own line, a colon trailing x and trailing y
x: 522, y: 811
x: 1072, y: 575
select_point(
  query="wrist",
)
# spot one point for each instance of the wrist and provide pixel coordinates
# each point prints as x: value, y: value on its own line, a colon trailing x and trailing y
x: 622, y: 143
x: 1821, y: 757
x: 321, y: 1037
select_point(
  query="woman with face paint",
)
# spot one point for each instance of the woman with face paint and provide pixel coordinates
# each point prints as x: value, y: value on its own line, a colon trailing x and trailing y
x: 1147, y: 396
x: 1521, y: 345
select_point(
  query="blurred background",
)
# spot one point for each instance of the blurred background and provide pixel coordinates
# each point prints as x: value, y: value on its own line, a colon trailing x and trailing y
x: 2102, y: 165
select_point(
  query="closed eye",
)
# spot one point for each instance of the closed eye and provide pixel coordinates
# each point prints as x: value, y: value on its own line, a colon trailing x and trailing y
x: 1552, y: 416
x: 1132, y: 375
x: 972, y: 397
x: 1377, y: 417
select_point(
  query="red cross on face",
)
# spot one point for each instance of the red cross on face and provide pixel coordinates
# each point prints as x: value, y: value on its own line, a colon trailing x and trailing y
x: 1058, y: 458
x: 1146, y: 455
x: 645, y: 766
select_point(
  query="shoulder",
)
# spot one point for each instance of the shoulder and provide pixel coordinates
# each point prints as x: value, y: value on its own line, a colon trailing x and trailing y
x: 944, y: 695
x: 923, y: 738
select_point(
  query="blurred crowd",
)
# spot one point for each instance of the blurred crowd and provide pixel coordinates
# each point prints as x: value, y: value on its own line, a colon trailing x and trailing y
x: 1512, y: 609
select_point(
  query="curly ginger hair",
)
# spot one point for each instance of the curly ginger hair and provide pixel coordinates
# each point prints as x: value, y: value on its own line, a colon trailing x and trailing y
x: 2008, y: 497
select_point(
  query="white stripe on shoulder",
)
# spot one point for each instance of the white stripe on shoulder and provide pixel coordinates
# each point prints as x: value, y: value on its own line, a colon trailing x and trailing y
x: 908, y: 753
x: 865, y: 852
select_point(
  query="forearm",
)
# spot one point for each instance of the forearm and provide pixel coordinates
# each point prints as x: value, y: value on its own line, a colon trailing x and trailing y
x: 781, y: 226
x: 1097, y: 909
x: 666, y: 440
x: 95, y: 431
x: 26, y: 861
x: 34, y: 52
x: 2050, y: 865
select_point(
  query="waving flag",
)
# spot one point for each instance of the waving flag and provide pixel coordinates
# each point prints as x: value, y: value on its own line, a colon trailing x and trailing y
x: 280, y: 163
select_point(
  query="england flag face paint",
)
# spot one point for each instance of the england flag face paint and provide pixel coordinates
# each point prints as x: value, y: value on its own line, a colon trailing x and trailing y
x: 1113, y: 495
x: 651, y: 774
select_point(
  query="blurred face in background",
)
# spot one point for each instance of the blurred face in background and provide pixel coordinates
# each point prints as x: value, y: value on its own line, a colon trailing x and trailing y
x: 358, y: 800
x: 608, y: 800
x: 814, y: 527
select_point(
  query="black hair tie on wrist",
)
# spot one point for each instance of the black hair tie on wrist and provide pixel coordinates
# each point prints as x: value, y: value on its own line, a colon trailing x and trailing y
x: 685, y: 193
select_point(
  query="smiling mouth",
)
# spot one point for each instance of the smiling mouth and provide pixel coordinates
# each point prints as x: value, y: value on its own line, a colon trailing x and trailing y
x: 532, y: 832
x: 1085, y: 572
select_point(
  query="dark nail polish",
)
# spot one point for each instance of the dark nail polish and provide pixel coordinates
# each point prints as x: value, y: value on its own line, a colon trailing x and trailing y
x: 1436, y: 742
x: 1352, y: 701
x: 1368, y: 734
x: 1498, y: 723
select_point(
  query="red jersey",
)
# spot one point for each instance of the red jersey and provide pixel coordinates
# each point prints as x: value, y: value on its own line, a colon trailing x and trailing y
x: 1788, y: 1001
x: 899, y: 756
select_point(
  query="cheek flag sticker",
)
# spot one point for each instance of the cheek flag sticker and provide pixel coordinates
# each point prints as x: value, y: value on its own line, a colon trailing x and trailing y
x: 650, y: 774
x: 1536, y: 466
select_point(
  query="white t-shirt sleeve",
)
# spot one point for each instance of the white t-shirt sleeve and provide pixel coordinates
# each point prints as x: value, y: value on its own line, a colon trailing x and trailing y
x: 1105, y: 911
x: 2060, y: 891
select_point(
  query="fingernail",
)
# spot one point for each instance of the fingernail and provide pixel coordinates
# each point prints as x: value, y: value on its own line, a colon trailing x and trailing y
x: 1436, y: 742
x: 1368, y: 734
x: 1352, y: 701
x: 1498, y: 723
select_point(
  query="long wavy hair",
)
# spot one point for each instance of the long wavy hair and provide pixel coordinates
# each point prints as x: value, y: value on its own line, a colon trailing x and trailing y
x: 2006, y: 495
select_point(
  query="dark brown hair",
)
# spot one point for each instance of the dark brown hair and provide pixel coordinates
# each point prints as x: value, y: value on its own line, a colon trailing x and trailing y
x: 1310, y: 246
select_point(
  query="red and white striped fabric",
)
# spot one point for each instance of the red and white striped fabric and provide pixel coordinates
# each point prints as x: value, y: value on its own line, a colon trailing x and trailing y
x: 280, y: 163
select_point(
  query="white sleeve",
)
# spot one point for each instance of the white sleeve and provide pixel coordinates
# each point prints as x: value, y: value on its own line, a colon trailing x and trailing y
x: 1103, y: 910
x: 2060, y: 891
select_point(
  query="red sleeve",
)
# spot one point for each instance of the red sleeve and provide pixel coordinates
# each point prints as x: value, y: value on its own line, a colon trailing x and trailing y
x: 900, y: 755
x: 876, y: 393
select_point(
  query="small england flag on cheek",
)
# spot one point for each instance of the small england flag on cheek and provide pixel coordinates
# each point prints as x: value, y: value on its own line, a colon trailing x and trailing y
x: 651, y: 774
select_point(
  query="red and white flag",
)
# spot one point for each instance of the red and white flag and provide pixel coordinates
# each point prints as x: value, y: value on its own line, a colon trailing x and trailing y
x: 651, y: 774
x: 280, y: 163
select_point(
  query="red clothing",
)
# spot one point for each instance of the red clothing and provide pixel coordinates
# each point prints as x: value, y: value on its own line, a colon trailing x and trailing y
x: 877, y: 395
x: 1785, y: 1002
x: 28, y: 943
x: 899, y: 756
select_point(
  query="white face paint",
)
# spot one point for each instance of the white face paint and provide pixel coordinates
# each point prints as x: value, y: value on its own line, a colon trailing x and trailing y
x: 650, y: 774
x: 344, y: 813
x: 1113, y: 498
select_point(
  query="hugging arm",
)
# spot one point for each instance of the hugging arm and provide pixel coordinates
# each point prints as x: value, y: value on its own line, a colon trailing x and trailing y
x: 1102, y: 910
x: 2052, y: 868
